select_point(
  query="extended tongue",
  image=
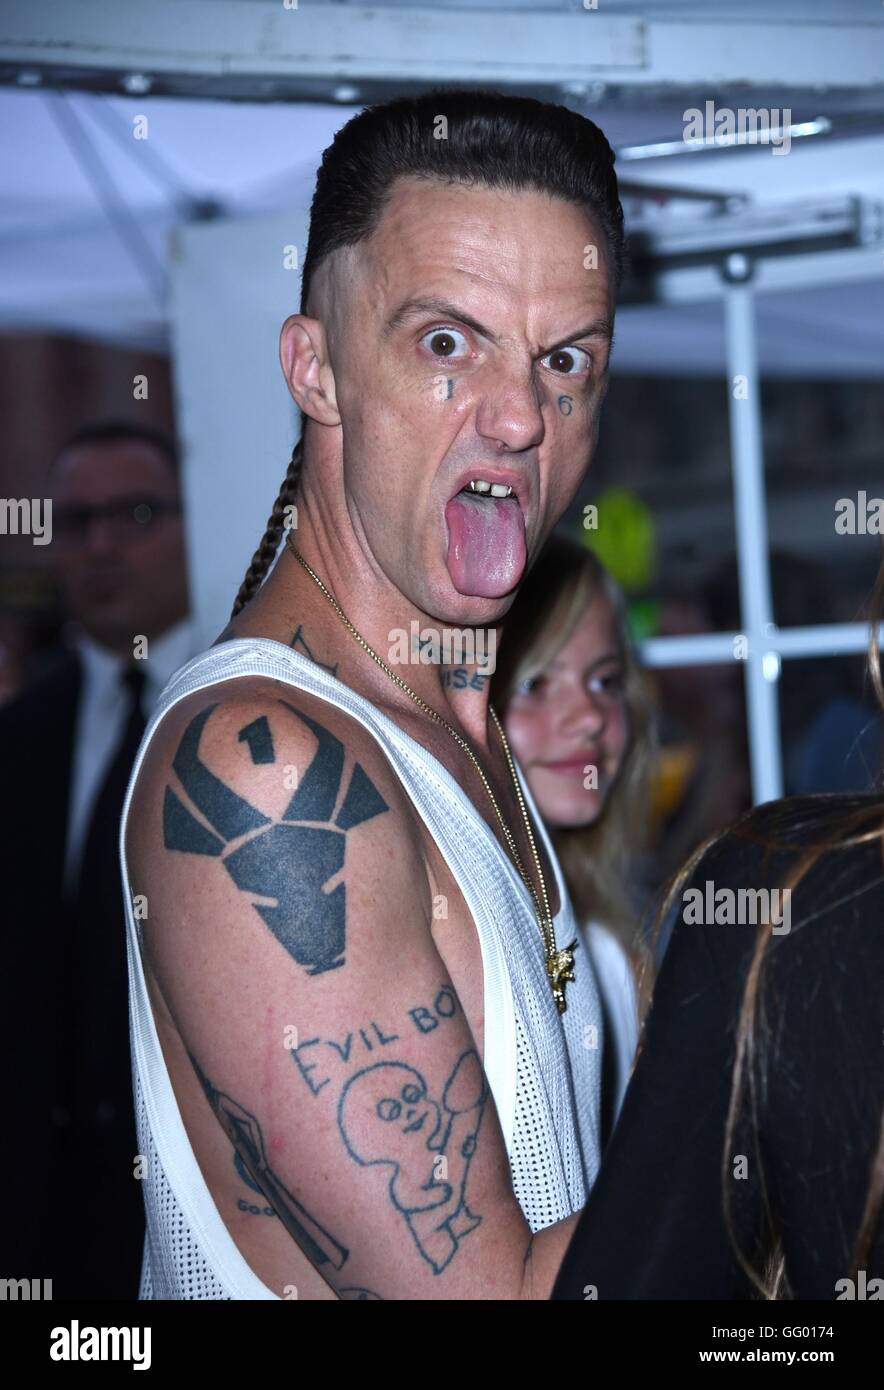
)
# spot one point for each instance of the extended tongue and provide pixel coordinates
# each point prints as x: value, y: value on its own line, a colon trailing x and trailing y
x: 486, y: 544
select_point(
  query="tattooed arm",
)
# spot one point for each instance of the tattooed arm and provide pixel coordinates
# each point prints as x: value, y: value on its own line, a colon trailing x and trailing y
x: 289, y: 932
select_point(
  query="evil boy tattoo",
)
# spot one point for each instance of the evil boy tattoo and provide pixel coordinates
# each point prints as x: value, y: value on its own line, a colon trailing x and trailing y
x: 324, y: 1061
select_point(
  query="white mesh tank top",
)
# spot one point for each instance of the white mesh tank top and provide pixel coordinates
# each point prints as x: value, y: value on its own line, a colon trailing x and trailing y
x: 543, y: 1068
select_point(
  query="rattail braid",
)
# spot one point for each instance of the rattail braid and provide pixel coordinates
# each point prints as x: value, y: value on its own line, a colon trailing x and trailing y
x: 270, y: 540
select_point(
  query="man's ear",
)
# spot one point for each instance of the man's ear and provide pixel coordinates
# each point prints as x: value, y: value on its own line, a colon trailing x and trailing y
x: 303, y: 354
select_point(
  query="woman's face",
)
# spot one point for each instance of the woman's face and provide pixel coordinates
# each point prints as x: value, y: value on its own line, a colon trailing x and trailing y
x: 571, y: 718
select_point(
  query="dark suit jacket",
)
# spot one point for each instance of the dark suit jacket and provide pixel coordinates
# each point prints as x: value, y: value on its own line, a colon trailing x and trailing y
x: 36, y: 753
x: 40, y: 1212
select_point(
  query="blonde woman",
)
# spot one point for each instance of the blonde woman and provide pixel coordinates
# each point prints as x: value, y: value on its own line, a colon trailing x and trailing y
x: 749, y: 1158
x: 577, y: 712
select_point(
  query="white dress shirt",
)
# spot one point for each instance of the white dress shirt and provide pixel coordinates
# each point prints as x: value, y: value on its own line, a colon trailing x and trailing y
x: 100, y: 720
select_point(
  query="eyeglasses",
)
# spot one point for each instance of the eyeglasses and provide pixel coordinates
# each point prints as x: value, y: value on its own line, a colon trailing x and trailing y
x: 127, y: 518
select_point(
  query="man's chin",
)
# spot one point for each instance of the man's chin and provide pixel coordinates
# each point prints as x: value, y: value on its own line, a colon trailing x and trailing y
x: 454, y: 609
x: 110, y: 624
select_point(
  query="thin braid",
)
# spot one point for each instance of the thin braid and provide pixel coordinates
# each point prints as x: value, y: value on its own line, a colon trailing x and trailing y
x: 270, y: 541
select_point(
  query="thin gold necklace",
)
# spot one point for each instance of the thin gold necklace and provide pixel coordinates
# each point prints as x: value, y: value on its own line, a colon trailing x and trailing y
x: 559, y: 964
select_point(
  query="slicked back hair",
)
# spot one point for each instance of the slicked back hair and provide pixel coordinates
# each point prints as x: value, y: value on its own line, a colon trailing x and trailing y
x: 476, y: 138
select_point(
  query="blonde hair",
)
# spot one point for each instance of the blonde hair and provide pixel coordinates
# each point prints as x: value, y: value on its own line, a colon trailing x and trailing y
x: 559, y: 589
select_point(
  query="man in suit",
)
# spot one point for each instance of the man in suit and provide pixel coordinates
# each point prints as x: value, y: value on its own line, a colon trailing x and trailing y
x: 72, y: 1208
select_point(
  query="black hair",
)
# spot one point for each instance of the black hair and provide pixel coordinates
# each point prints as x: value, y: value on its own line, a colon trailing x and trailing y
x: 122, y: 431
x: 489, y: 140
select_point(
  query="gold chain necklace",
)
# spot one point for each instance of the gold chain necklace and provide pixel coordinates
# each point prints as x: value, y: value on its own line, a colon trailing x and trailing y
x: 559, y: 964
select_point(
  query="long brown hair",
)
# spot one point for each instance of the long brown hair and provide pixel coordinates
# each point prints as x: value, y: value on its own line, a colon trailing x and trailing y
x: 804, y: 828
x: 554, y: 597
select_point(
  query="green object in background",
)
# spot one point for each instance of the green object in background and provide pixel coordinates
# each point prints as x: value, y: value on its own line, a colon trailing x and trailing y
x: 643, y: 616
x: 619, y: 529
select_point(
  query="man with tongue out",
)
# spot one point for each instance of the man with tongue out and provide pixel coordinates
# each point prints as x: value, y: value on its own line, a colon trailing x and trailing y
x: 450, y: 360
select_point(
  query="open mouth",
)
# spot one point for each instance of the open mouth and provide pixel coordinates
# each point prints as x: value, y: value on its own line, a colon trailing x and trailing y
x: 486, y: 539
x: 480, y: 487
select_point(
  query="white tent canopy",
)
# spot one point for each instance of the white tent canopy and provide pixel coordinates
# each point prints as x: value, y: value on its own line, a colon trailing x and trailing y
x: 88, y: 208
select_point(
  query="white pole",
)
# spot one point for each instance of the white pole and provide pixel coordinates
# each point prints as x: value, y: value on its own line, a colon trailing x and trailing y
x: 747, y: 464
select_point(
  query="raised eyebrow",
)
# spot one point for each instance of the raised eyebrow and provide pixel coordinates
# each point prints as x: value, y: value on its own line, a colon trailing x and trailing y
x: 601, y: 329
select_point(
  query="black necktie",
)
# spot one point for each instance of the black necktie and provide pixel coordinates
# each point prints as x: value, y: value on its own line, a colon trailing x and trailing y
x: 99, y: 882
x: 101, y: 924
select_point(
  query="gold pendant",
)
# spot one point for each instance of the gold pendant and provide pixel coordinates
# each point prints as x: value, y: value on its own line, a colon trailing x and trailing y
x: 560, y: 968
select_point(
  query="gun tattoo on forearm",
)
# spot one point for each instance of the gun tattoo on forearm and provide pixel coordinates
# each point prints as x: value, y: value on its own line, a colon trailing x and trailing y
x: 244, y: 1132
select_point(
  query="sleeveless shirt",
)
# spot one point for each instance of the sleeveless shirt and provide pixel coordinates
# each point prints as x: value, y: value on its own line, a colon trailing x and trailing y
x: 543, y: 1068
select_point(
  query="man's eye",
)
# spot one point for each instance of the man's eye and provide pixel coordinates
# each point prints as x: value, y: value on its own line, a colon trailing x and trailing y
x: 568, y: 361
x: 442, y: 342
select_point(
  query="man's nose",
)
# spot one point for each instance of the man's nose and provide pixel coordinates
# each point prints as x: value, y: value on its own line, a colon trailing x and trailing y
x: 510, y: 411
x: 101, y: 538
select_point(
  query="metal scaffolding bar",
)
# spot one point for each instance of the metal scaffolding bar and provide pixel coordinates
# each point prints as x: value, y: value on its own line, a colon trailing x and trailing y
x: 747, y: 464
x: 822, y: 639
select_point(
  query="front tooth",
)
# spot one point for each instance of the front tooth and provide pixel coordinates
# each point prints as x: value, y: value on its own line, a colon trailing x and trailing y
x: 479, y: 485
x: 500, y: 490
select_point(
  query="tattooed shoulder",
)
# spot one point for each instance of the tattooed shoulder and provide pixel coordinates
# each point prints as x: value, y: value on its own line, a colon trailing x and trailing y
x: 275, y: 787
